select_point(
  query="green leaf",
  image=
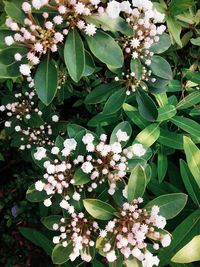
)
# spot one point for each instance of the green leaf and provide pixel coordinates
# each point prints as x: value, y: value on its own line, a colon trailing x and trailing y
x: 80, y: 177
x: 136, y: 67
x: 107, y: 24
x: 37, y: 238
x: 189, y: 100
x: 162, y: 165
x: 14, y: 10
x: 176, y: 7
x: 114, y: 102
x: 89, y: 64
x: 189, y: 182
x: 193, y: 76
x: 174, y: 29
x: 186, y: 230
x: 187, y: 125
x: 170, y: 139
x: 193, y: 158
x: 166, y: 112
x: 61, y: 254
x: 49, y: 221
x: 149, y: 135
x: 34, y: 195
x: 170, y: 204
x: 146, y: 106
x: 46, y: 80
x: 74, y: 55
x: 99, y: 209
x: 162, y: 45
x: 134, y: 115
x: 136, y: 183
x: 123, y: 126
x: 104, y: 47
x: 160, y: 67
x: 133, y: 263
x: 101, y: 93
x: 195, y: 41
x: 189, y: 253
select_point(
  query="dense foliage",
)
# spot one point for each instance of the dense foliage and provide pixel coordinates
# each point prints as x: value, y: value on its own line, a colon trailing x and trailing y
x: 100, y: 133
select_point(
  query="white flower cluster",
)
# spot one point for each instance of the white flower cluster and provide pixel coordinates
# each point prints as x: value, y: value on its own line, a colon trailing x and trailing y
x: 143, y: 18
x: 132, y: 82
x: 102, y: 163
x: 129, y: 234
x: 31, y: 137
x: 78, y: 230
x: 22, y: 108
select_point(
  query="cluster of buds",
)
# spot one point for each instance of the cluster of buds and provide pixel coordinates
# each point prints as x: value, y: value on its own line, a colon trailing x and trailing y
x: 79, y: 232
x: 46, y: 36
x: 132, y: 230
x: 132, y: 82
x: 146, y: 23
x: 34, y: 137
x: 102, y: 163
x: 23, y: 107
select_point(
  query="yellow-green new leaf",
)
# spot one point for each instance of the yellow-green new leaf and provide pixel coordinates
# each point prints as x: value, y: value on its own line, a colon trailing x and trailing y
x: 193, y: 158
x: 189, y: 253
x: 149, y: 135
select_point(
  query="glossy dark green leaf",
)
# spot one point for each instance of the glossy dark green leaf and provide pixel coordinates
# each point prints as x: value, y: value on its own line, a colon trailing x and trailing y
x: 89, y: 64
x: 162, y: 165
x: 187, y: 125
x: 104, y: 47
x: 34, y: 195
x: 166, y: 112
x: 162, y: 45
x: 146, y: 106
x: 61, y: 254
x: 14, y: 10
x: 193, y: 76
x: 49, y: 221
x: 171, y: 139
x: 80, y: 177
x: 114, y: 102
x: 136, y: 67
x: 160, y: 67
x: 190, y: 100
x: 74, y: 55
x: 46, y: 80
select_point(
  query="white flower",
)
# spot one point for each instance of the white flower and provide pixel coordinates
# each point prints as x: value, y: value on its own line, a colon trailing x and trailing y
x: 9, y: 40
x: 8, y: 124
x: 36, y: 4
x: 135, y: 42
x: 166, y: 240
x: 113, y: 9
x: 49, y: 25
x: 70, y: 144
x: 47, y: 202
x: 76, y: 196
x: 122, y: 136
x: 39, y: 185
x: 90, y: 29
x: 62, y: 9
x: 95, y: 2
x: 138, y: 150
x: 87, y: 167
x: 158, y: 17
x: 125, y: 192
x: 17, y: 128
x: 111, y: 256
x: 26, y: 7
x: 58, y: 37
x: 56, y: 239
x: 38, y: 47
x: 64, y: 204
x: 160, y: 222
x: 86, y: 257
x: 40, y: 153
x: 18, y: 56
x: 55, y: 118
x: 79, y: 8
x: 116, y: 147
x: 150, y: 260
x: 125, y: 6
x: 25, y: 69
x: 55, y: 150
x: 88, y: 138
x: 58, y: 19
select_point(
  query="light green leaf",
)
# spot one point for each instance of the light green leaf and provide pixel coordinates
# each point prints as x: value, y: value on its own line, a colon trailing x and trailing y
x: 136, y: 183
x: 149, y: 135
x: 193, y: 158
x: 133, y: 263
x: 166, y: 112
x: 61, y: 254
x: 189, y: 253
x: 187, y: 125
x: 190, y: 100
x: 170, y: 204
x: 170, y: 139
x: 46, y: 80
x: 74, y: 55
x: 104, y: 47
x: 174, y: 29
x: 195, y: 41
x: 99, y: 209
